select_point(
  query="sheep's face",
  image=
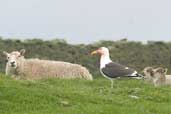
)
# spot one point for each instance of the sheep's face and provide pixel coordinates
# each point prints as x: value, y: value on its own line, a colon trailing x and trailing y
x: 159, y: 73
x: 148, y: 72
x: 12, y: 58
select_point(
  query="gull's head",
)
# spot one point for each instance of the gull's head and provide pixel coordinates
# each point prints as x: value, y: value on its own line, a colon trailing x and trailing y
x: 101, y: 51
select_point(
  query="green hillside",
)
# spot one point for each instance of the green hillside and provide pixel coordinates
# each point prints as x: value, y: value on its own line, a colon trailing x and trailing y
x: 56, y: 96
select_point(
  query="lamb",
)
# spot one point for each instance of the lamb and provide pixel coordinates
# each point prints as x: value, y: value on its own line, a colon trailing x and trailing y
x: 32, y: 69
x: 148, y: 73
x: 157, y: 76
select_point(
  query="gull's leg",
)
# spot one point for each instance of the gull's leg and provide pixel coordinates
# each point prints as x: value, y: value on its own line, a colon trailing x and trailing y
x: 111, y: 83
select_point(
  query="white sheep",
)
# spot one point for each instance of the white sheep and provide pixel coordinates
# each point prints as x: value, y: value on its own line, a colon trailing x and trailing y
x: 21, y: 68
x: 148, y: 73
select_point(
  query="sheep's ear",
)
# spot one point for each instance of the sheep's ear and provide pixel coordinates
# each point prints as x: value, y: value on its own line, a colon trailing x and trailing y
x: 22, y: 52
x: 5, y: 53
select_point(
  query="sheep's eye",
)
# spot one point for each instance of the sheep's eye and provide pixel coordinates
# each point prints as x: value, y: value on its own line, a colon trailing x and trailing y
x: 7, y: 57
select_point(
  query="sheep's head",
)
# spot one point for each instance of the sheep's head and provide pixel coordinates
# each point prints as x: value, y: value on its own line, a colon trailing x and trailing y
x: 159, y: 72
x: 148, y: 72
x: 12, y: 58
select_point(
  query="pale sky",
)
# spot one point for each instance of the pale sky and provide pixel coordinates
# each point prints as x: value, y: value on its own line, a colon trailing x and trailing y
x: 86, y: 21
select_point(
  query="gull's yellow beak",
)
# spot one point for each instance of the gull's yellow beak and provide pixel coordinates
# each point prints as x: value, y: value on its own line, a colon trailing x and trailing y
x: 94, y: 52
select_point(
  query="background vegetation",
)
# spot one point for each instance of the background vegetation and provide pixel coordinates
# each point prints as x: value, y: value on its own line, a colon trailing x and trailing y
x: 133, y: 54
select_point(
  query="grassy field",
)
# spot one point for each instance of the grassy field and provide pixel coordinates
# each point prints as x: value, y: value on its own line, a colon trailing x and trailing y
x: 55, y: 96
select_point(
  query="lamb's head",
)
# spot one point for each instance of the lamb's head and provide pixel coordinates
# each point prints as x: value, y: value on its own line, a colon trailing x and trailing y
x: 159, y: 73
x: 13, y: 57
x: 148, y: 72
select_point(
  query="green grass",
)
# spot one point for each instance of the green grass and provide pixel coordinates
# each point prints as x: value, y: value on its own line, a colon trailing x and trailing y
x: 56, y: 96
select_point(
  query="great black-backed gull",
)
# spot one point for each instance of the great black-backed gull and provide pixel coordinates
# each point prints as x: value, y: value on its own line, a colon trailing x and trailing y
x: 112, y: 70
